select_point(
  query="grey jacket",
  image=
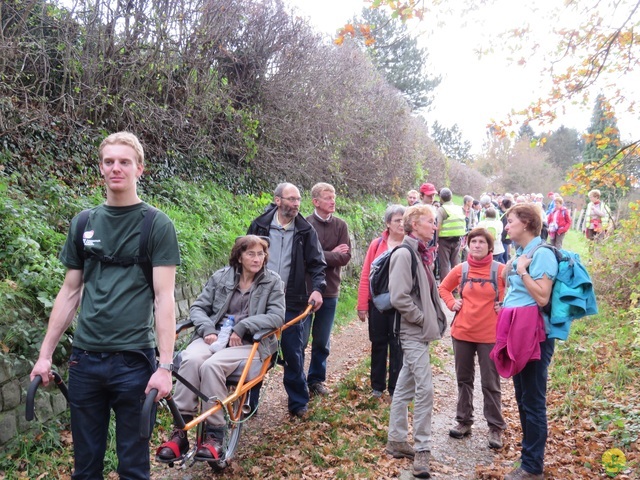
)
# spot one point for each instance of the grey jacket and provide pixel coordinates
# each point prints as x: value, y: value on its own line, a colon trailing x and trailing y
x: 266, y: 307
x: 422, y: 317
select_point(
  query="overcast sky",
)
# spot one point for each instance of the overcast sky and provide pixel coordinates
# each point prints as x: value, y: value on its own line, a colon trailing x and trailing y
x: 476, y: 90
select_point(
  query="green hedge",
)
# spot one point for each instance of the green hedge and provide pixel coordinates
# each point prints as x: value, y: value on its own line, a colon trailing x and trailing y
x: 207, y: 217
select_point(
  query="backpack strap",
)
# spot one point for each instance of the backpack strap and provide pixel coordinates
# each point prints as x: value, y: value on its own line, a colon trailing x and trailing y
x: 494, y: 278
x: 414, y: 262
x: 465, y: 275
x: 145, y: 233
x: 557, y: 253
x: 83, y: 218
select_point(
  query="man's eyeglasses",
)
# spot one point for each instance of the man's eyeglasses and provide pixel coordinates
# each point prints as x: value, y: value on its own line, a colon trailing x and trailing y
x: 255, y: 254
x: 291, y: 199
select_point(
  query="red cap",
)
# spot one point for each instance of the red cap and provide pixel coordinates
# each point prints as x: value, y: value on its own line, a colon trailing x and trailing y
x: 550, y: 194
x: 428, y: 189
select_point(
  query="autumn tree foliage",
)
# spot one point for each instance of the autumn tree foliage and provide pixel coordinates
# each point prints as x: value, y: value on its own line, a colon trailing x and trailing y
x: 238, y: 91
x: 602, y: 140
x: 599, y: 52
x: 605, y: 164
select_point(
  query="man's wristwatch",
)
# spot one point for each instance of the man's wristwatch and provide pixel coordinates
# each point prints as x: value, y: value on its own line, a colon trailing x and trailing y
x: 166, y: 366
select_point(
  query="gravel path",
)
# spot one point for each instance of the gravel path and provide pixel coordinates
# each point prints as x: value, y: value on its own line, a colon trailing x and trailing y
x: 452, y: 459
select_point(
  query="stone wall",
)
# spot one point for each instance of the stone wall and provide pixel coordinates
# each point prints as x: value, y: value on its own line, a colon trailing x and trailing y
x: 49, y: 402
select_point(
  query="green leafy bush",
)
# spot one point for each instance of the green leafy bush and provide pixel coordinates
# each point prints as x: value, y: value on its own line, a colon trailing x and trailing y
x: 615, y: 263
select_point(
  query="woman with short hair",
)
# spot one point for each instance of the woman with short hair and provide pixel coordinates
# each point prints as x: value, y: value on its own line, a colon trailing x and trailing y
x: 473, y: 332
x: 530, y: 280
x: 383, y: 343
x: 254, y: 296
x: 559, y: 221
x: 415, y: 297
x: 596, y: 219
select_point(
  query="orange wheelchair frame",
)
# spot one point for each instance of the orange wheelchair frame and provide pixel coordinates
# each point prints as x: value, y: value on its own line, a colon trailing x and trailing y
x: 235, y: 405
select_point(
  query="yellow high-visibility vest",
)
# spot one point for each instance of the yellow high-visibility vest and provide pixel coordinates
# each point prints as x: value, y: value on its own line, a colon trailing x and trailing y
x: 454, y: 225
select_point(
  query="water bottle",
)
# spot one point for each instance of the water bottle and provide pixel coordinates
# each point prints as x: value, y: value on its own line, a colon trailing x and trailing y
x: 224, y: 335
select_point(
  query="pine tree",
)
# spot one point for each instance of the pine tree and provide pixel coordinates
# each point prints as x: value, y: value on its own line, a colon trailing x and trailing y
x: 564, y: 148
x: 526, y: 131
x: 602, y: 141
x: 396, y: 54
x: 450, y: 142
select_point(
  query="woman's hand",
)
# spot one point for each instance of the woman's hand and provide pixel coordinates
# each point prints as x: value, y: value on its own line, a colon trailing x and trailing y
x: 209, y: 339
x: 235, y: 340
x: 362, y: 315
x: 523, y: 264
x: 497, y: 306
x: 457, y: 305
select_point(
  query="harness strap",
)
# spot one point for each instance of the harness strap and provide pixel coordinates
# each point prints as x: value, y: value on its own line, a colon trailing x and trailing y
x: 482, y: 281
x: 187, y: 384
x: 141, y: 259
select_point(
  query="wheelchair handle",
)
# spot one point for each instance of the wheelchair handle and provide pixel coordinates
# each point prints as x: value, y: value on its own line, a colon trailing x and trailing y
x: 29, y: 413
x: 146, y: 418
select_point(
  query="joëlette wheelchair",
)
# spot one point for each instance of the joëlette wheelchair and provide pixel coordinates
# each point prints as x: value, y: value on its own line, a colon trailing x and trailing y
x: 235, y: 406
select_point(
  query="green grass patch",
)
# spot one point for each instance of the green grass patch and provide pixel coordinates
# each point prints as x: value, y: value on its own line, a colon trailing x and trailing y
x: 42, y: 454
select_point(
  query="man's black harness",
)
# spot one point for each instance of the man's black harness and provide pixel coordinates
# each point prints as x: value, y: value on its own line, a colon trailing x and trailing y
x: 141, y: 259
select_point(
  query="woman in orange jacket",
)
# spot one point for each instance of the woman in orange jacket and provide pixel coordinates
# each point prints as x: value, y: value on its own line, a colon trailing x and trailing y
x: 473, y: 331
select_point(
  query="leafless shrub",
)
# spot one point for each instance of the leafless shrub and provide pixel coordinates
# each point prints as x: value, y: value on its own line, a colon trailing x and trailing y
x: 218, y: 88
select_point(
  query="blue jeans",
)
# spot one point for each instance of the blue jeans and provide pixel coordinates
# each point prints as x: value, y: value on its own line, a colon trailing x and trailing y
x: 99, y: 382
x: 292, y: 344
x: 320, y: 326
x: 531, y: 394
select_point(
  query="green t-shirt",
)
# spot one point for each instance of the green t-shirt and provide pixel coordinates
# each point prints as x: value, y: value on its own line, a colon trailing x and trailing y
x: 116, y: 311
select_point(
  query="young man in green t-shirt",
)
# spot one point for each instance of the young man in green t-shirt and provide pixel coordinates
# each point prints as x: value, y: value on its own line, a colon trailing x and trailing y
x: 113, y: 361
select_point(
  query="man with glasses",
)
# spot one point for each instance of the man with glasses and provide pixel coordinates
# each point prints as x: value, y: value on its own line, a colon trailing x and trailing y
x: 294, y: 253
x: 334, y: 239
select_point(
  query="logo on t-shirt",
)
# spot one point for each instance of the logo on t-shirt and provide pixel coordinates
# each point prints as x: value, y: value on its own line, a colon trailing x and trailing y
x: 87, y: 238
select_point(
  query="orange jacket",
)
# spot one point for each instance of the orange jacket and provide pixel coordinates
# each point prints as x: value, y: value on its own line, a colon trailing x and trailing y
x: 476, y: 320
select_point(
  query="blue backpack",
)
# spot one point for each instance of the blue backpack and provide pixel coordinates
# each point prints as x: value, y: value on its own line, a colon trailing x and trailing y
x: 572, y: 296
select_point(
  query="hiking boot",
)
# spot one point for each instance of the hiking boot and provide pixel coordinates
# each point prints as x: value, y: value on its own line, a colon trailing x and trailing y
x: 174, y: 448
x: 211, y: 447
x: 399, y: 449
x: 460, y: 430
x: 318, y: 389
x: 495, y: 438
x: 301, y: 414
x: 520, y: 474
x: 421, y: 464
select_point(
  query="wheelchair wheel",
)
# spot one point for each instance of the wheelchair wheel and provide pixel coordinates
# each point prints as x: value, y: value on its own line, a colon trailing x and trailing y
x: 239, y: 410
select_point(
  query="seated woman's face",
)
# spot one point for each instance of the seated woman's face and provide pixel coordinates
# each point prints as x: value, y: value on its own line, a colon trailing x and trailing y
x: 478, y: 247
x: 252, y: 259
